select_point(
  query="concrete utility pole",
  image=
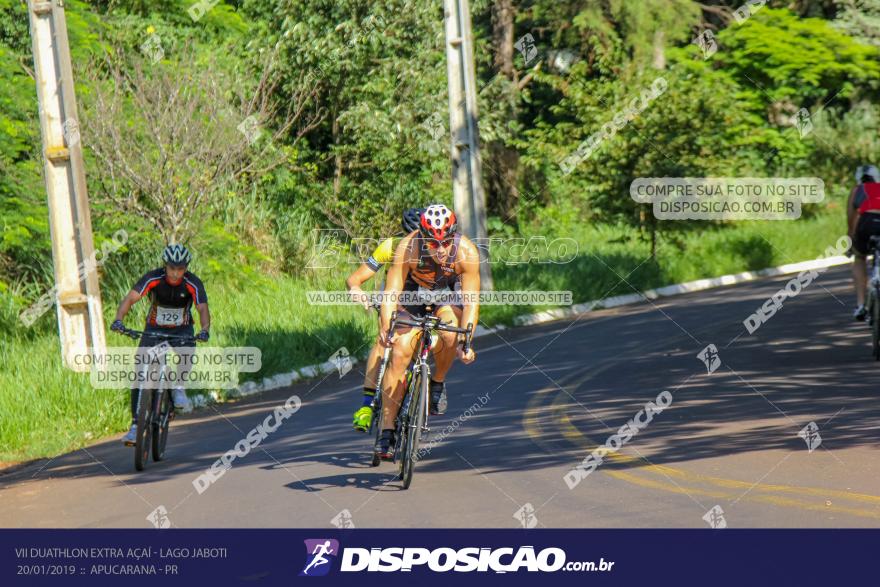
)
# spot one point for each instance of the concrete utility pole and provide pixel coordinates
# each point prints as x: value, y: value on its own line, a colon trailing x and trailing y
x: 467, y: 187
x: 78, y: 300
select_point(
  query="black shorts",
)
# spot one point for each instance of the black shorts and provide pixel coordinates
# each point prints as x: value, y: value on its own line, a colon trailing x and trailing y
x: 183, y: 347
x: 424, y: 310
x: 867, y: 226
x: 148, y: 342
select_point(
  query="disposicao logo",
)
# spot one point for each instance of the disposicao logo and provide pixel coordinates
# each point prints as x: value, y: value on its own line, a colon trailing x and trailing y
x: 320, y: 554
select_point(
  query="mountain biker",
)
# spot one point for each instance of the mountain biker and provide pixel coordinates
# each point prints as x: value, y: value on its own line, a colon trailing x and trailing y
x: 382, y: 255
x: 863, y: 222
x: 173, y: 291
x: 433, y: 259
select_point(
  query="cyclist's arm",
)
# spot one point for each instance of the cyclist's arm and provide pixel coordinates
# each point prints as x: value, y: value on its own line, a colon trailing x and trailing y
x: 852, y: 213
x: 397, y: 272
x: 469, y: 263
x: 200, y: 299
x: 143, y: 286
x: 130, y: 299
x: 204, y: 315
x: 360, y: 276
x: 382, y: 255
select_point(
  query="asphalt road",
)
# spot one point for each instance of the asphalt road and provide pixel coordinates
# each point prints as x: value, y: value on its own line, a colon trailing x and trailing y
x: 550, y: 395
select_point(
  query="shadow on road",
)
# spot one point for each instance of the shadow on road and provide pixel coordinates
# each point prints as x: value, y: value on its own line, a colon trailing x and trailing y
x: 569, y: 391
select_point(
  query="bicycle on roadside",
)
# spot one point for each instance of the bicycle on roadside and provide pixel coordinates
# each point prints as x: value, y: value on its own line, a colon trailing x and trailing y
x: 154, y: 407
x: 412, y: 418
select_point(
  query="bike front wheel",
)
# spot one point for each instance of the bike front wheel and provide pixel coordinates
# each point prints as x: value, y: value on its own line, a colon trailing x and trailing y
x: 144, y: 429
x: 163, y: 421
x: 415, y: 424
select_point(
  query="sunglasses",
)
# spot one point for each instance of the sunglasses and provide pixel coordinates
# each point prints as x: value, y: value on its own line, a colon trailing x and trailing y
x: 434, y: 244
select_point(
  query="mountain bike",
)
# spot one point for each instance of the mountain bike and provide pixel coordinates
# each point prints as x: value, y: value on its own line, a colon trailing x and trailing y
x: 154, y: 412
x: 874, y: 296
x: 412, y: 418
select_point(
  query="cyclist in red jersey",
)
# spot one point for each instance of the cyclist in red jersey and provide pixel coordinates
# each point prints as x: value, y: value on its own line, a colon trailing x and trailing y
x: 863, y: 222
x: 172, y: 291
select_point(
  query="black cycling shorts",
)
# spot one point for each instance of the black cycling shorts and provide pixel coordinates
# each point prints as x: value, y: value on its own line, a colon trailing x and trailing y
x: 867, y: 226
x: 424, y: 310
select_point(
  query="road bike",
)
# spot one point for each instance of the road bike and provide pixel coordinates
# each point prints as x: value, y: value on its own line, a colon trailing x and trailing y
x: 376, y: 421
x: 154, y: 406
x: 412, y: 418
x: 376, y: 404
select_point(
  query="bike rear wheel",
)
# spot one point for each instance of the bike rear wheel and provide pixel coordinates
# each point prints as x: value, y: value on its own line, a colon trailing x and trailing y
x: 376, y: 427
x: 402, y: 436
x: 160, y: 428
x: 144, y: 429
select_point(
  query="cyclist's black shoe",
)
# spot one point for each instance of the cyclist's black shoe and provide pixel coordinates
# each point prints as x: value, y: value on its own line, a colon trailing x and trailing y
x: 438, y: 399
x: 860, y: 313
x: 385, y: 445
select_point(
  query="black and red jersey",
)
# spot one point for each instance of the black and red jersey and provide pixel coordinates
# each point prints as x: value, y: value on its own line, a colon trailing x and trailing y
x: 867, y: 197
x: 171, y: 305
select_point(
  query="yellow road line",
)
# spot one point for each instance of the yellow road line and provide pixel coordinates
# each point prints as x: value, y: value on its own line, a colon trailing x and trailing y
x: 572, y: 433
x: 536, y: 408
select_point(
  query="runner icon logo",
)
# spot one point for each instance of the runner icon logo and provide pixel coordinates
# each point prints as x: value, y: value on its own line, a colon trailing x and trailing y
x: 343, y: 520
x: 710, y: 358
x: 715, y: 518
x: 526, y: 516
x: 320, y: 554
x: 810, y: 434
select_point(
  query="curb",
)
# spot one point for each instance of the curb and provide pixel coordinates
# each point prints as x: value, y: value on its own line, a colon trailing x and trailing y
x: 285, y: 379
x: 277, y: 381
x: 678, y: 289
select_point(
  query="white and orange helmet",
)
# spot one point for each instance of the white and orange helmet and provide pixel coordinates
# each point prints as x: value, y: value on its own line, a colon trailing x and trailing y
x: 438, y: 222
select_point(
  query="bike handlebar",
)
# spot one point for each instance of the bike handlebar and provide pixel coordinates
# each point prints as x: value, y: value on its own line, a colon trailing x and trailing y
x: 138, y: 333
x: 434, y: 323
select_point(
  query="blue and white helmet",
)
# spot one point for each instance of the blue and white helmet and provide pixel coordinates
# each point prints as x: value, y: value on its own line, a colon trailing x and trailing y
x: 869, y: 170
x: 176, y: 255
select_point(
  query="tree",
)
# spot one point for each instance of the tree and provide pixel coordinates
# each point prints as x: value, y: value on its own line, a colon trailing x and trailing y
x: 860, y: 19
x: 170, y: 137
x: 690, y: 125
x: 380, y: 72
x: 502, y: 158
x: 790, y: 63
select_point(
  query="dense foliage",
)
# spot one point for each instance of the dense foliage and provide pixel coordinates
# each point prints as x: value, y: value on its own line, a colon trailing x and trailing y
x: 262, y: 131
x: 371, y: 136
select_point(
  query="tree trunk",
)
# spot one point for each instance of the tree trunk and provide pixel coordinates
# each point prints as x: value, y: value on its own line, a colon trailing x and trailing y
x: 337, y: 158
x: 502, y: 37
x: 503, y: 160
x: 659, y: 50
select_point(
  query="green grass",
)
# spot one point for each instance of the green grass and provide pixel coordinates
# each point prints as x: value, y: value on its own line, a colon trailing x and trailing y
x: 48, y: 410
x: 611, y: 261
